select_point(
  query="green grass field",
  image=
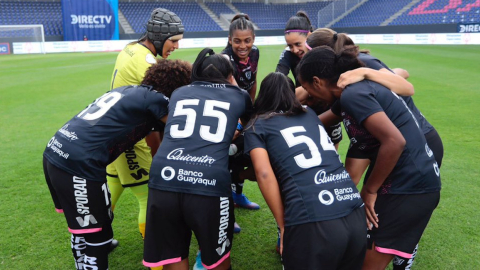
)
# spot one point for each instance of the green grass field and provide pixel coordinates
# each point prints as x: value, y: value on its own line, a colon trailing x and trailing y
x: 39, y: 93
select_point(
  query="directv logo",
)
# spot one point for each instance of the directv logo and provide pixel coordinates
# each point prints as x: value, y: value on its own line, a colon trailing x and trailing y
x: 90, y: 19
x: 469, y: 28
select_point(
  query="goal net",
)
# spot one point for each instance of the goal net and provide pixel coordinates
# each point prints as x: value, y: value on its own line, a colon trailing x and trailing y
x: 33, y: 33
x: 333, y: 12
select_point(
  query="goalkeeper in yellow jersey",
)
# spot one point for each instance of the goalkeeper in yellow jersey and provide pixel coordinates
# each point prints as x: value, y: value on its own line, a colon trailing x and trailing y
x: 131, y: 168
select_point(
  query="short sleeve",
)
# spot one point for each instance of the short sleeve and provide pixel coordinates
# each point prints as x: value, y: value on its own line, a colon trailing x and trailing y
x: 337, y: 108
x: 158, y: 104
x: 254, y: 136
x: 283, y: 65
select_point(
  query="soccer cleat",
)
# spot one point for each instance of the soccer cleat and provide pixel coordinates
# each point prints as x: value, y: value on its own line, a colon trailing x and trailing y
x: 113, y: 245
x: 198, y: 262
x: 243, y: 202
x: 236, y: 228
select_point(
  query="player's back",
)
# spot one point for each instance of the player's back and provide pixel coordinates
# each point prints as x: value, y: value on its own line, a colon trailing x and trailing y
x: 131, y: 64
x: 315, y: 185
x: 194, y: 152
x: 107, y: 127
x: 416, y: 170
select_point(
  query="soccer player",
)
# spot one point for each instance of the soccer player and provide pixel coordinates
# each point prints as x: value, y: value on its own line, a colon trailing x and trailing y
x: 189, y: 188
x: 359, y: 159
x: 403, y: 187
x: 314, y: 201
x: 75, y: 158
x: 297, y: 29
x: 131, y: 168
x: 244, y: 57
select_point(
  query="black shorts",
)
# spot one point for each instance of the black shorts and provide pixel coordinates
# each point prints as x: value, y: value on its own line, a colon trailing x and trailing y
x: 86, y: 204
x: 402, y: 220
x: 238, y: 161
x: 435, y: 143
x: 332, y: 244
x: 355, y: 152
x: 171, y: 218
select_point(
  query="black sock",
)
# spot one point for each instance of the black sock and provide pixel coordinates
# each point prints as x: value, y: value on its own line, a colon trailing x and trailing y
x: 78, y: 249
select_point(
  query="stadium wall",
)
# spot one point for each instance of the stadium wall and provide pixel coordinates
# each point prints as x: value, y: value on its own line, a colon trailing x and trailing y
x: 419, y: 34
x: 117, y: 45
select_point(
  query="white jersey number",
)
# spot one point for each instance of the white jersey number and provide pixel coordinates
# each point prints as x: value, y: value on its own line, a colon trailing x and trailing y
x: 292, y: 140
x: 191, y: 114
x: 101, y: 106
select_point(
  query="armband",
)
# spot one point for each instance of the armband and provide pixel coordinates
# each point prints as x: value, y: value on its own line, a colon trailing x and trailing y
x: 239, y: 127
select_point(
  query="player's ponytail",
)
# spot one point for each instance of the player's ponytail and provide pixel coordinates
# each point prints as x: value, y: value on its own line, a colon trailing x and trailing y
x: 211, y: 67
x: 299, y: 23
x: 330, y: 38
x: 324, y: 63
x: 242, y: 22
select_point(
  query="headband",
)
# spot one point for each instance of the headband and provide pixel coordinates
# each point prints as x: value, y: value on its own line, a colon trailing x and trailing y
x: 296, y: 30
x: 308, y: 46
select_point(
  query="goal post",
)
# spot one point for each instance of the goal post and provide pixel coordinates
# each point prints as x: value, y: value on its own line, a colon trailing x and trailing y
x: 33, y: 33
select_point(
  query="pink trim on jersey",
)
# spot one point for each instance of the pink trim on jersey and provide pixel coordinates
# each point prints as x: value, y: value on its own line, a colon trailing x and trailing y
x: 217, y: 263
x: 93, y: 230
x: 246, y: 62
x: 160, y: 263
x: 59, y: 210
x: 394, y: 252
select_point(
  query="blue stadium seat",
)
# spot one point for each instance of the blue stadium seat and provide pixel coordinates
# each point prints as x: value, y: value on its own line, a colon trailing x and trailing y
x: 14, y: 12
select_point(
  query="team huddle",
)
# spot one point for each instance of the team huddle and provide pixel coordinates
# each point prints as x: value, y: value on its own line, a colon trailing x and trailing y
x: 184, y: 137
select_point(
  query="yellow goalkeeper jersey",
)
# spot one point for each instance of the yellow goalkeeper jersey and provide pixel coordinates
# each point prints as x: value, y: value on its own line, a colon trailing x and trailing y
x: 132, y: 63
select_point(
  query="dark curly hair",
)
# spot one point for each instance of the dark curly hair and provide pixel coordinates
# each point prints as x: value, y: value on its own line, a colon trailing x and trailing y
x: 167, y: 75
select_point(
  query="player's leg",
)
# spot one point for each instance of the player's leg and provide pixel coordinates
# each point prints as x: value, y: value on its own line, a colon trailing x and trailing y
x: 167, y: 236
x: 97, y: 248
x: 133, y: 168
x: 141, y: 193
x: 211, y: 219
x: 375, y: 260
x: 78, y: 250
x: 403, y: 219
x: 95, y: 226
x: 116, y: 188
x: 400, y: 263
x: 87, y: 209
x: 53, y: 193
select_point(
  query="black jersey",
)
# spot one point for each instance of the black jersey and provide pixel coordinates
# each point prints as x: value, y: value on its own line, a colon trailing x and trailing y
x: 416, y: 170
x: 314, y: 184
x: 361, y: 140
x: 245, y: 73
x: 193, y: 156
x: 374, y: 63
x: 96, y: 136
x: 288, y: 63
